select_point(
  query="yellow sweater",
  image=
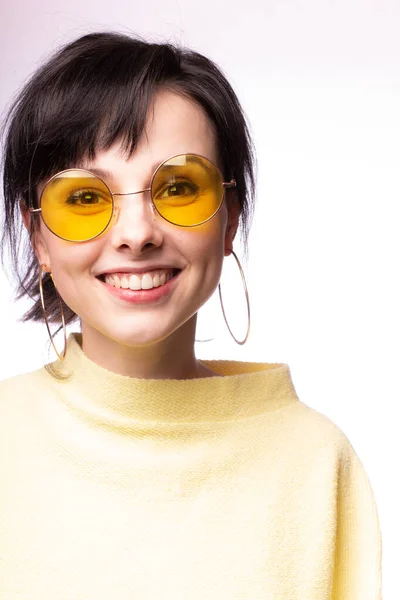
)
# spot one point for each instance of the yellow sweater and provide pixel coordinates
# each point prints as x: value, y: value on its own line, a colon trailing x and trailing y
x: 225, y: 488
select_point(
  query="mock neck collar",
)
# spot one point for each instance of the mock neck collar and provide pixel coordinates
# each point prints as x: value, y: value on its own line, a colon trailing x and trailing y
x: 245, y: 390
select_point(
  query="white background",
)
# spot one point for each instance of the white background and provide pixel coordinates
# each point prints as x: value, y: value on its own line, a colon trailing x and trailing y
x: 320, y: 83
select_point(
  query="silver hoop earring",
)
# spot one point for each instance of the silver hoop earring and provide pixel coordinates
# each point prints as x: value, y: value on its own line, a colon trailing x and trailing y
x: 240, y: 342
x: 62, y: 355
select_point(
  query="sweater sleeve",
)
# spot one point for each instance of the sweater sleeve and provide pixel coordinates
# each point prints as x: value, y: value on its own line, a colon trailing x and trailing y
x: 358, y: 554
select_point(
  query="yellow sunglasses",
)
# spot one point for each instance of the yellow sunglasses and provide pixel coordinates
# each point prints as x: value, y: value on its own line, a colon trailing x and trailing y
x: 78, y: 206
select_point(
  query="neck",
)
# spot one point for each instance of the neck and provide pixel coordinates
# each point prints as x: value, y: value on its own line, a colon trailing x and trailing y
x: 171, y: 358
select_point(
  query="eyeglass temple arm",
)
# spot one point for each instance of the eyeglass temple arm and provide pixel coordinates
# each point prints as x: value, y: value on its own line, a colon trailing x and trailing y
x: 230, y: 184
x: 35, y: 210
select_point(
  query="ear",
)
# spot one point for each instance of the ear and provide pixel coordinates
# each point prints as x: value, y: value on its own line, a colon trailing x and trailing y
x: 26, y: 216
x: 232, y: 225
x: 35, y: 235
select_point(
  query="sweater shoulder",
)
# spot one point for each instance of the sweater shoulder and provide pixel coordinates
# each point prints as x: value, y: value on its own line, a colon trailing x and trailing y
x: 311, y: 427
x: 22, y: 383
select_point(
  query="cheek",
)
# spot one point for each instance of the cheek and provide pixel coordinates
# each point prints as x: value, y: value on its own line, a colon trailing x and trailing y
x: 71, y: 259
x: 209, y: 237
x: 203, y: 247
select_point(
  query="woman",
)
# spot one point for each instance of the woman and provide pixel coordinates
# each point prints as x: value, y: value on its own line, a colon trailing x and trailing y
x: 129, y: 468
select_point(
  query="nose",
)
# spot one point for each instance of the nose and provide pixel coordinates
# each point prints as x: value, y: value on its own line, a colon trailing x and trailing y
x: 135, y: 224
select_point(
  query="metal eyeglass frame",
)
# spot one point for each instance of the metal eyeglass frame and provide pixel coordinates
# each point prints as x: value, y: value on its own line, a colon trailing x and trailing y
x: 225, y: 185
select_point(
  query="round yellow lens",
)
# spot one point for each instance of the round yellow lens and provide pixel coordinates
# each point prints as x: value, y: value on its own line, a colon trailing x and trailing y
x: 187, y: 190
x: 76, y: 205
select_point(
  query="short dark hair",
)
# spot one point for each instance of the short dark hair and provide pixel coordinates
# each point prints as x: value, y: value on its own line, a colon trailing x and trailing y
x: 91, y: 93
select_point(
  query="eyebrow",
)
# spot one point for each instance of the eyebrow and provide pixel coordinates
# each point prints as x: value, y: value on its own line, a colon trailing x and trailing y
x: 194, y: 159
x: 58, y: 179
x: 103, y: 173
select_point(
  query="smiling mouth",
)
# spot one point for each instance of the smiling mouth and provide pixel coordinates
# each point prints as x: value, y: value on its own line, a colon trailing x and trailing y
x: 143, y: 281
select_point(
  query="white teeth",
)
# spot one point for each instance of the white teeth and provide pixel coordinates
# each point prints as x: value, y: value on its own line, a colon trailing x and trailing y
x: 139, y: 282
x: 147, y: 282
x: 124, y: 282
x: 135, y: 283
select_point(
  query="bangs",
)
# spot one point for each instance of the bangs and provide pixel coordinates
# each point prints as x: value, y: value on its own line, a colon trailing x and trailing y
x: 91, y: 118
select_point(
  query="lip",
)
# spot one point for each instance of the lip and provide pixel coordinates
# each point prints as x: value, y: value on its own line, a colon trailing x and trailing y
x: 142, y: 296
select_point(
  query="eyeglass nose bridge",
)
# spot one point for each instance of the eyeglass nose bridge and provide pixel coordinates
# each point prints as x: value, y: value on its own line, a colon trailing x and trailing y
x: 131, y: 193
x: 116, y: 211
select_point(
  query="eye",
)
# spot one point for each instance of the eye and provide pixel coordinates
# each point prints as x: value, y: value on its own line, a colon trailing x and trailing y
x: 177, y: 190
x: 85, y: 198
x: 180, y: 190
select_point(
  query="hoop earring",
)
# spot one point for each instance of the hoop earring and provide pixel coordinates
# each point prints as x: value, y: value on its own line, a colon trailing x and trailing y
x: 43, y: 270
x: 240, y: 342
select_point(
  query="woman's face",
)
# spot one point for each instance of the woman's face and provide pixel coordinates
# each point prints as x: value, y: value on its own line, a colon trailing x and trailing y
x: 142, y: 243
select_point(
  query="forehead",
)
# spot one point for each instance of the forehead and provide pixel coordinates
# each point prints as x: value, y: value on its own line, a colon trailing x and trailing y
x: 176, y: 119
x: 174, y: 125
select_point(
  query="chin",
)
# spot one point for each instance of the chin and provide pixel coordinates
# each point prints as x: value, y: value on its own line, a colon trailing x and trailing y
x: 129, y: 337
